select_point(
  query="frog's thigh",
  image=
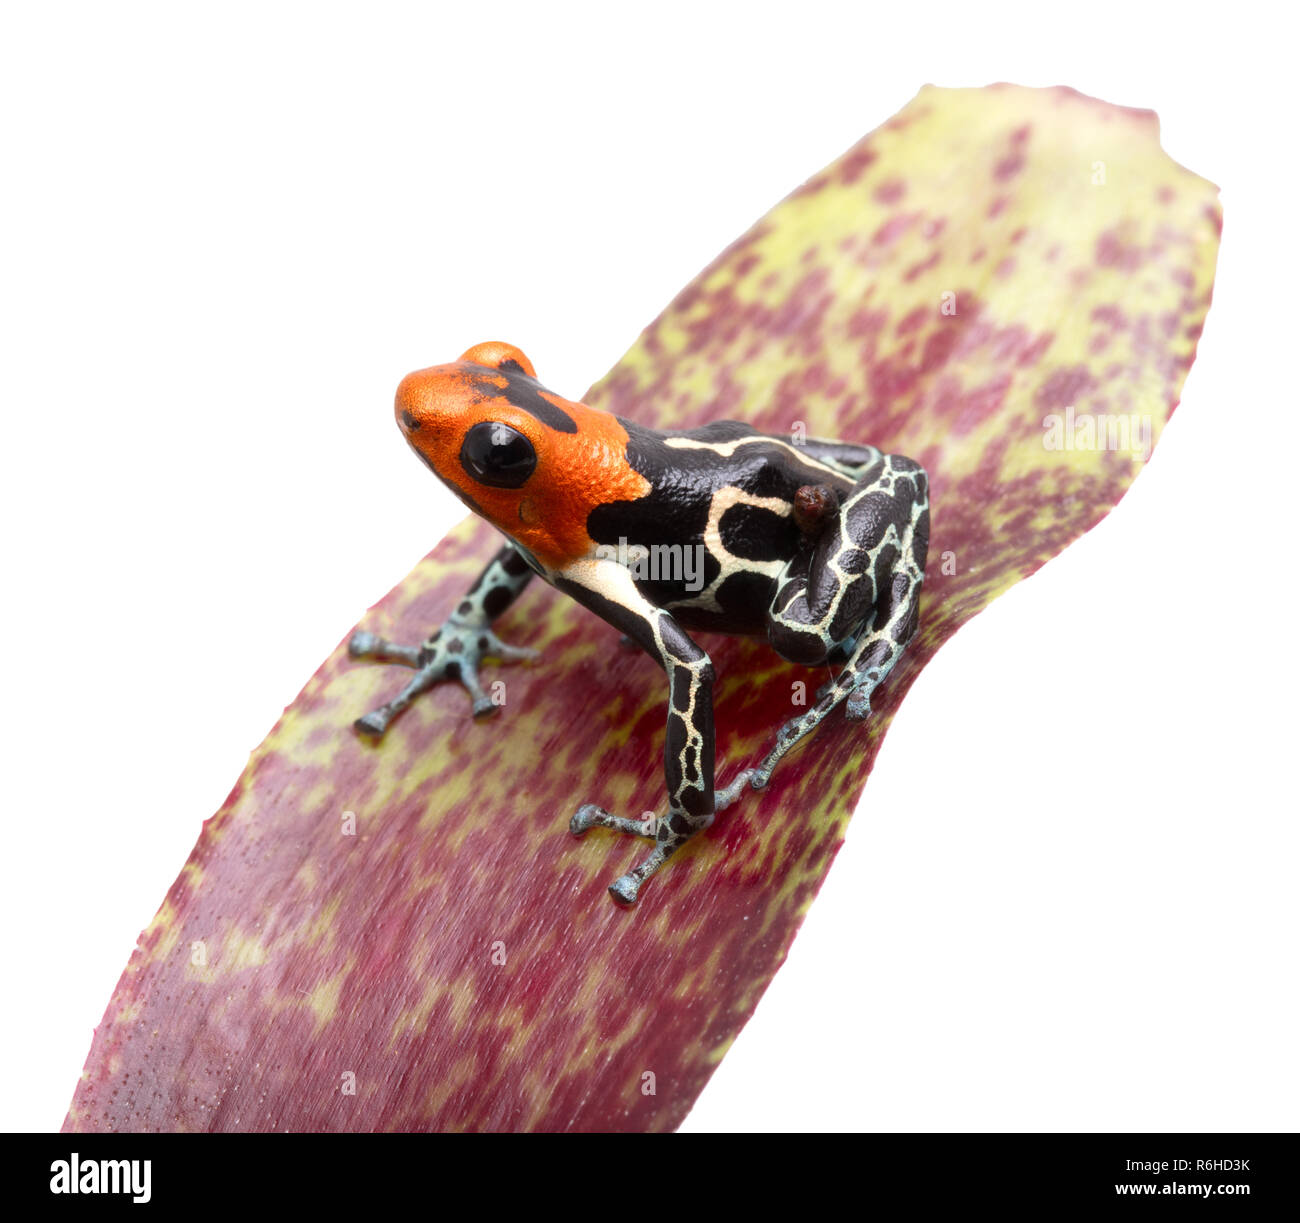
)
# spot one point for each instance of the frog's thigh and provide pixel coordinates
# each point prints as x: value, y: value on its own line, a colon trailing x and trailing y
x: 826, y: 593
x: 889, y: 522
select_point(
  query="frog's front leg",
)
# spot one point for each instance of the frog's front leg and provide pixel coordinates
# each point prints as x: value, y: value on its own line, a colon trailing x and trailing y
x: 605, y: 587
x: 854, y: 591
x: 456, y: 648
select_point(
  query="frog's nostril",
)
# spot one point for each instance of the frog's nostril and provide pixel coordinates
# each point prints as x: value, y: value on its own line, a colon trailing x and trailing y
x: 409, y: 423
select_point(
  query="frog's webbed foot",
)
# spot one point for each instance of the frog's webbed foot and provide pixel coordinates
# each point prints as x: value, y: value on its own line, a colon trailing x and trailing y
x: 453, y: 652
x: 669, y: 832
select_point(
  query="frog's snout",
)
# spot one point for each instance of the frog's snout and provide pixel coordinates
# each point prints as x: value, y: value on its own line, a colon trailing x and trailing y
x: 411, y: 406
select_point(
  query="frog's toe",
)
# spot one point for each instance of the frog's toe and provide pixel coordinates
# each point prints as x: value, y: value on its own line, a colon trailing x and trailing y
x: 489, y: 645
x: 481, y: 705
x: 790, y: 733
x: 379, y: 649
x: 587, y: 817
x: 372, y: 725
x: 625, y: 888
x: 722, y: 799
x: 360, y: 644
x: 858, y: 707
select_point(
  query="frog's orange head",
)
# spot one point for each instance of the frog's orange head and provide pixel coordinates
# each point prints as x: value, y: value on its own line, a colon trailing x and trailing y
x: 530, y: 462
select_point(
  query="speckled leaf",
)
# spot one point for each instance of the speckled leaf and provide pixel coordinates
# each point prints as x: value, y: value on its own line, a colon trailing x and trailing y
x: 987, y: 261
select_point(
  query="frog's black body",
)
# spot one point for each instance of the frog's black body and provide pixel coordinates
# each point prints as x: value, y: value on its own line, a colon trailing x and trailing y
x: 818, y: 545
x: 687, y: 482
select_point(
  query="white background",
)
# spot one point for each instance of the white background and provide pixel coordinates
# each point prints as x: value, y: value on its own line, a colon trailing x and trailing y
x: 1068, y: 901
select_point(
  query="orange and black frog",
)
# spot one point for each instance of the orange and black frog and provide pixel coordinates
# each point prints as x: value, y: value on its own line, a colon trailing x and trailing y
x: 817, y: 545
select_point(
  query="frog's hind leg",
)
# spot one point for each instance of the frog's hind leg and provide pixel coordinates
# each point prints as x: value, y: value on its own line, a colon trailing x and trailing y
x: 857, y: 590
x: 873, y: 659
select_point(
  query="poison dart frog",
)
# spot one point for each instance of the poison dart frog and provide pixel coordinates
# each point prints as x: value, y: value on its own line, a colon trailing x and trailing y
x: 819, y: 546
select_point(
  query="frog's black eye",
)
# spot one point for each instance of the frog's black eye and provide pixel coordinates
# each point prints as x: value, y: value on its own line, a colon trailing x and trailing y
x: 497, y: 455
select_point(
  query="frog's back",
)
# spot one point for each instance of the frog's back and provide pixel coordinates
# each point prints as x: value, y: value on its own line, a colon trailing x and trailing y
x: 717, y: 526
